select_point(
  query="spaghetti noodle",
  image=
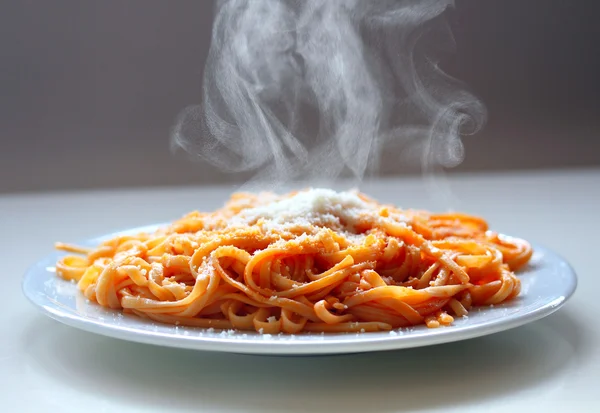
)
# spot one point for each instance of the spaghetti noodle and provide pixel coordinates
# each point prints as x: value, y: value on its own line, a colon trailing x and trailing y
x: 315, y: 260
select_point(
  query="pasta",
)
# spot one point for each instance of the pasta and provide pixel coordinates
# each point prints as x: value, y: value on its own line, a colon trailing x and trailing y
x: 309, y: 261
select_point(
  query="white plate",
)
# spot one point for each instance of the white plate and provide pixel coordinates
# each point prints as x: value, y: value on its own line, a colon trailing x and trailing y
x: 546, y: 285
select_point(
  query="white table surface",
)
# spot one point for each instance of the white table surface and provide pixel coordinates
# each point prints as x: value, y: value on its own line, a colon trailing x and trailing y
x: 550, y: 365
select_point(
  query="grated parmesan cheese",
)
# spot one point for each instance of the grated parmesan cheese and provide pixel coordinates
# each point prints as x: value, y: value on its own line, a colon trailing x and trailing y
x: 306, y: 209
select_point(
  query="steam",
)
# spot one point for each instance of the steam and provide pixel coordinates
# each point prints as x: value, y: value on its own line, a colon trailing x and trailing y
x: 311, y: 89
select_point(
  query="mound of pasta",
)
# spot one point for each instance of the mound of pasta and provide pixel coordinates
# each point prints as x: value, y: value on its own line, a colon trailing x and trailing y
x: 314, y: 260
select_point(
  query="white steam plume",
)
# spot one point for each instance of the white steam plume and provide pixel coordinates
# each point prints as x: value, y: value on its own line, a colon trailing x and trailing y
x: 309, y: 89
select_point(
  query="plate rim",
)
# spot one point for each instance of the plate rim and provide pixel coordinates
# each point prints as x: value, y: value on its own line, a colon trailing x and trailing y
x: 260, y: 344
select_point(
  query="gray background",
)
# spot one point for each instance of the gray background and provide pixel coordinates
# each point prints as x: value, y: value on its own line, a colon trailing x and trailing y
x: 89, y: 89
